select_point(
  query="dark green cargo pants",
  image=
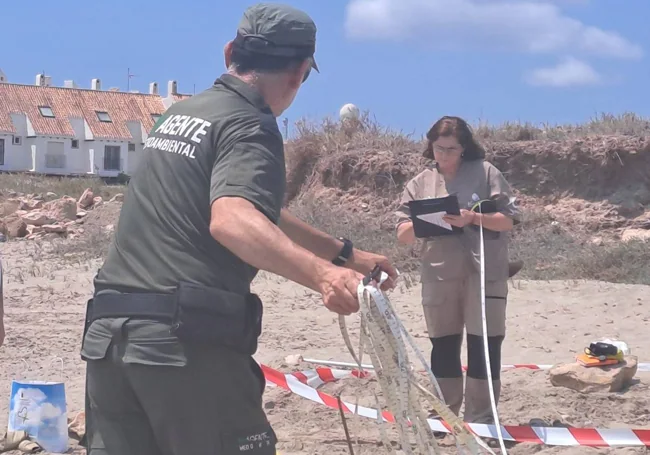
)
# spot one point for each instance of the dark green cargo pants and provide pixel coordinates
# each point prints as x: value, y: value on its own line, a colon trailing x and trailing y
x: 148, y: 394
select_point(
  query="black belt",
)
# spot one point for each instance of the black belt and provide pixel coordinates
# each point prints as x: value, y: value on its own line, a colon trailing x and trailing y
x: 196, y: 313
x: 141, y: 305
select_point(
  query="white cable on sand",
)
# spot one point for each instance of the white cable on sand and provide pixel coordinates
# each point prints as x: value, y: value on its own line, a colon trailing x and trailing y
x: 486, y: 349
x: 384, y: 334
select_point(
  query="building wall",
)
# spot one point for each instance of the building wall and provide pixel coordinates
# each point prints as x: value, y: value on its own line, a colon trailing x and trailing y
x: 137, y: 144
x: 88, y: 156
x: 16, y: 157
x: 37, y: 155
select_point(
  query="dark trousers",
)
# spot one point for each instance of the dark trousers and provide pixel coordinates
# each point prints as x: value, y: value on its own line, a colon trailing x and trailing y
x: 145, y: 398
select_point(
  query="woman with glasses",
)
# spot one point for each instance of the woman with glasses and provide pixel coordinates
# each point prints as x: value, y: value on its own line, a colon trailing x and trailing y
x: 450, y: 264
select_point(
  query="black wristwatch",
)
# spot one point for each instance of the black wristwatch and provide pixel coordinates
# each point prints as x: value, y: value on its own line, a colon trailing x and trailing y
x: 345, y: 253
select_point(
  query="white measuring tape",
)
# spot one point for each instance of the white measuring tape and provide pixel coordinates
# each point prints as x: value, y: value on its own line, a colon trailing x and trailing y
x: 486, y: 350
x: 385, y: 336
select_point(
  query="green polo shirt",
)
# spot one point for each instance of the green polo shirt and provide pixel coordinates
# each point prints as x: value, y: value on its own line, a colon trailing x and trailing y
x: 224, y: 141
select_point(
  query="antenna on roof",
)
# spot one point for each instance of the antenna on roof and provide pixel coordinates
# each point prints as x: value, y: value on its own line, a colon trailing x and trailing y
x: 128, y: 78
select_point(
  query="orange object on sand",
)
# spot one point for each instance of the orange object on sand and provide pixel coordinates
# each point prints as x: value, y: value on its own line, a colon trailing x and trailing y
x: 589, y: 361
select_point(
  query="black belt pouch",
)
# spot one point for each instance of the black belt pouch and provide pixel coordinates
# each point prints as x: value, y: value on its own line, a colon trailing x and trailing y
x: 212, y: 316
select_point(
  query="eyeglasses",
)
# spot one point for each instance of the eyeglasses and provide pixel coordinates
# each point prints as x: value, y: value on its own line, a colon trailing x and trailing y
x: 440, y: 149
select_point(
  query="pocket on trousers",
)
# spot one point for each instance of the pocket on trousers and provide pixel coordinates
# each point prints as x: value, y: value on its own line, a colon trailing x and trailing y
x: 496, y: 290
x: 216, y: 317
x: 95, y: 346
x: 155, y: 352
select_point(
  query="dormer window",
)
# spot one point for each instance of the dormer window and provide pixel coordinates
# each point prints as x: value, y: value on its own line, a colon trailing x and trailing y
x: 103, y: 116
x: 46, y: 111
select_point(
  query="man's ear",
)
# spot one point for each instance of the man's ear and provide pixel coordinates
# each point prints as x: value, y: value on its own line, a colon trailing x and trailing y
x: 298, y: 74
x: 227, y: 53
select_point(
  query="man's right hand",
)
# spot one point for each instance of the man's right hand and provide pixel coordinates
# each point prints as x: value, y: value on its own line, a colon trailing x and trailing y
x: 338, y: 287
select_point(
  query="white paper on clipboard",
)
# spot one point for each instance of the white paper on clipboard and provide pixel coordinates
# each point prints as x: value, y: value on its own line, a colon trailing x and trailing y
x: 435, y: 218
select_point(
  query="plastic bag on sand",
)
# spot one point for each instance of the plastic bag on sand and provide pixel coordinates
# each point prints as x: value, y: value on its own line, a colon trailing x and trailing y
x: 39, y: 409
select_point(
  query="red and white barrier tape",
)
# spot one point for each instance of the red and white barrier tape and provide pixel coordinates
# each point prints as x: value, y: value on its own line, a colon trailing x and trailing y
x: 319, y: 376
x: 304, y: 384
x: 643, y: 367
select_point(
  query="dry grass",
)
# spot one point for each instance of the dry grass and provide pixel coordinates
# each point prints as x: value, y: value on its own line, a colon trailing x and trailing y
x: 26, y: 183
x: 627, y: 124
x: 549, y: 252
x: 92, y: 244
x: 346, y: 179
x: 554, y: 252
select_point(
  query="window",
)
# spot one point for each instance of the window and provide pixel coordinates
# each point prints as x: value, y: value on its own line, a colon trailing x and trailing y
x: 112, y: 158
x: 131, y: 147
x: 103, y: 116
x: 2, y: 152
x: 55, y: 155
x: 17, y: 140
x: 46, y: 111
x: 75, y: 143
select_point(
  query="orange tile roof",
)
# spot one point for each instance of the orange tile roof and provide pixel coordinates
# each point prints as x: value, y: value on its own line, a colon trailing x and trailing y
x: 77, y: 103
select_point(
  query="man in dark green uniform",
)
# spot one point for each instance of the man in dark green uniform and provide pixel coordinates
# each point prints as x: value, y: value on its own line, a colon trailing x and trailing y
x: 172, y: 326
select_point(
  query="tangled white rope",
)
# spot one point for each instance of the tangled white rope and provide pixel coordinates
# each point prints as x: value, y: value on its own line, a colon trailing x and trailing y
x: 385, y: 336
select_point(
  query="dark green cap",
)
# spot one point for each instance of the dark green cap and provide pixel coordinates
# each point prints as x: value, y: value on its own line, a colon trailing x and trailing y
x: 277, y: 30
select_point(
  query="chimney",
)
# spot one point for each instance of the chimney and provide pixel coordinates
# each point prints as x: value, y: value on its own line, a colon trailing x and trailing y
x: 43, y: 81
x: 153, y: 88
x: 96, y: 84
x: 172, y: 88
x: 3, y: 77
x: 70, y: 84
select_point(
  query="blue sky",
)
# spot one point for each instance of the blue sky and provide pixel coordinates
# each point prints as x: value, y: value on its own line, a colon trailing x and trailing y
x: 408, y: 62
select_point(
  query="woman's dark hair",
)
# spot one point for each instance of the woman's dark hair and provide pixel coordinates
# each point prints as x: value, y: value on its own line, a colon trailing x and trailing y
x: 458, y: 128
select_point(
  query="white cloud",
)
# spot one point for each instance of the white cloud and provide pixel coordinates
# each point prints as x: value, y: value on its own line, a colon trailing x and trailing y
x: 530, y: 26
x: 49, y: 411
x: 569, y: 72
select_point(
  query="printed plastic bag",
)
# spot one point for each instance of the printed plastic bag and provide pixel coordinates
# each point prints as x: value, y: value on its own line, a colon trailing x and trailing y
x: 39, y: 409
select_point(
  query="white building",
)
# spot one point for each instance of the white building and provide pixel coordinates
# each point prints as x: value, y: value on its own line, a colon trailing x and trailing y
x: 70, y: 130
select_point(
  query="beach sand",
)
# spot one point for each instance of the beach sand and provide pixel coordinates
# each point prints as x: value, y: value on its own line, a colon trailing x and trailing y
x: 548, y: 323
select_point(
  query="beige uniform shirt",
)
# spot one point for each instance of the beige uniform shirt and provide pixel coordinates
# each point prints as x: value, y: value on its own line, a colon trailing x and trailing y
x: 455, y: 257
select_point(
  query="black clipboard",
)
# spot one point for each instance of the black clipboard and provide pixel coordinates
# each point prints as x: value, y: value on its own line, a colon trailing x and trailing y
x: 422, y: 228
x: 484, y: 206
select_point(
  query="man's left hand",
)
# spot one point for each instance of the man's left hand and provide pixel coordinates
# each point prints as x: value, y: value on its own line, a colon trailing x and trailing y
x: 364, y: 262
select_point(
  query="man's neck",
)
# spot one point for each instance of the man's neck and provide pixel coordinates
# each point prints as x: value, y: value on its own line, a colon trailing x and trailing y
x: 256, y: 83
x: 250, y: 78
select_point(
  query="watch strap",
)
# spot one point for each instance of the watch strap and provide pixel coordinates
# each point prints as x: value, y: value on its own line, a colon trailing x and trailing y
x: 345, y: 253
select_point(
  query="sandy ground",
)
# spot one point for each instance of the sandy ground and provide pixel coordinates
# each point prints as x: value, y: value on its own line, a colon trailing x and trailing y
x: 547, y: 323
